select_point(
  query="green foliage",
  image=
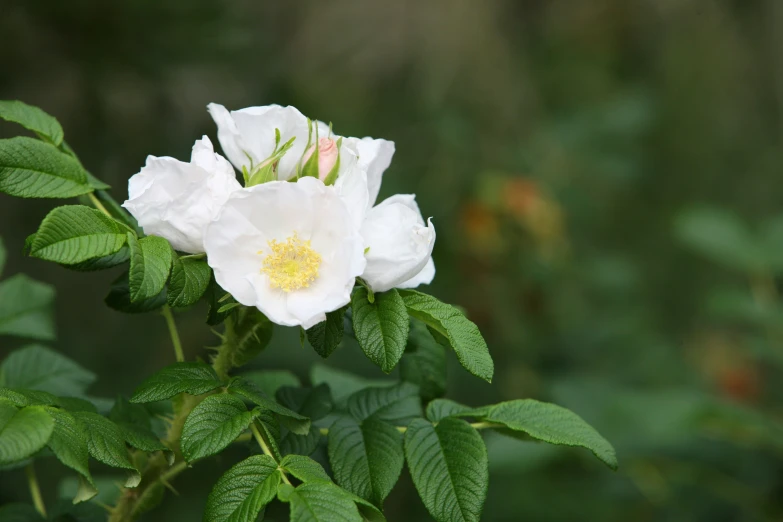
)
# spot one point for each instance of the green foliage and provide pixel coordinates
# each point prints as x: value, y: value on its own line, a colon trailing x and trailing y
x: 243, y: 491
x: 304, y: 468
x: 343, y: 384
x: 194, y: 378
x: 441, y: 408
x: 68, y: 442
x: 189, y: 281
x: 119, y: 298
x: 36, y: 367
x: 449, y: 466
x: 269, y: 381
x: 247, y: 333
x: 314, y: 403
x: 150, y: 264
x: 106, y: 443
x: 298, y: 424
x: 33, y: 169
x: 102, y: 263
x: 463, y: 335
x: 327, y: 335
x: 381, y: 327
x: 366, y: 456
x: 214, y: 424
x: 74, y: 233
x: 134, y: 422
x: 319, y: 502
x: 25, y: 308
x: 22, y: 432
x: 22, y: 398
x: 398, y: 404
x: 32, y: 118
x: 424, y: 363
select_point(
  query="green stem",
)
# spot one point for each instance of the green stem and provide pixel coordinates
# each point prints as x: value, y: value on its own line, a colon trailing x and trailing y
x: 95, y: 201
x: 35, y: 490
x: 173, y: 332
x: 265, y: 448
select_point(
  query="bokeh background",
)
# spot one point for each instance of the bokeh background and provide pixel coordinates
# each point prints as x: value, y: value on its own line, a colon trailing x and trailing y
x: 605, y: 178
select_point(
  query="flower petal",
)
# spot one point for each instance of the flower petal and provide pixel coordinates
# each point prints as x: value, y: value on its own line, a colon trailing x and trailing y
x: 424, y: 277
x: 376, y: 156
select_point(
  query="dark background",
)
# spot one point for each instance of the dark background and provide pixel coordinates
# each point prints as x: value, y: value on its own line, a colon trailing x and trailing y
x: 554, y: 142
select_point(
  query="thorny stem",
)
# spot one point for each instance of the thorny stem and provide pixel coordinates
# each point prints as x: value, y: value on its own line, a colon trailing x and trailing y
x: 35, y: 490
x: 174, y: 333
x: 95, y: 201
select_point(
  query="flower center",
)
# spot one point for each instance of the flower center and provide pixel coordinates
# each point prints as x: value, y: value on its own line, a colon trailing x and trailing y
x: 292, y: 264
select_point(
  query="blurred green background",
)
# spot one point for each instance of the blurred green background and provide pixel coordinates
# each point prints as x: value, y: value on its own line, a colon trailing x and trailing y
x: 605, y: 180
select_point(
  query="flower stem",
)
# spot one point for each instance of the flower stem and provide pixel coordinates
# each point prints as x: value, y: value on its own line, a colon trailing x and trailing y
x: 35, y: 490
x: 173, y: 333
x: 95, y: 201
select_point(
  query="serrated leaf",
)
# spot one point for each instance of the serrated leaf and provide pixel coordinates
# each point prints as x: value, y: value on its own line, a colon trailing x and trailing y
x: 242, y: 491
x: 381, y: 327
x: 295, y: 422
x: 463, y: 335
x: 550, y: 423
x: 102, y: 263
x: 74, y: 233
x: 327, y: 335
x: 397, y: 405
x: 37, y: 367
x: 106, y: 443
x: 195, y: 378
x: 119, y: 298
x: 134, y: 422
x: 315, y: 403
x: 449, y: 467
x: 33, y: 169
x: 366, y: 457
x: 22, y: 432
x: 269, y: 427
x: 321, y: 502
x: 424, y: 363
x: 33, y: 119
x: 293, y: 444
x: 189, y: 280
x: 212, y: 425
x: 269, y: 381
x: 26, y: 308
x: 439, y: 409
x: 21, y: 398
x: 304, y: 468
x: 69, y: 444
x: 343, y: 384
x: 150, y: 264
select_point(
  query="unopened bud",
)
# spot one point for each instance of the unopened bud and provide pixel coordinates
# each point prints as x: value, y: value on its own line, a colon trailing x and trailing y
x: 328, y: 154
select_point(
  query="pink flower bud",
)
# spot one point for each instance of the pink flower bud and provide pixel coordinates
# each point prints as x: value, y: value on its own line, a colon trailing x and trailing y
x: 327, y: 156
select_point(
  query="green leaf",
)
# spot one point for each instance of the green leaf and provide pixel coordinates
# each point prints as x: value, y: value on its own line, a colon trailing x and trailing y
x: 321, y: 502
x: 269, y: 427
x: 315, y: 403
x: 242, y: 491
x: 327, y: 335
x: 195, y: 378
x: 396, y: 405
x: 32, y: 118
x: 550, y: 423
x: 343, y: 384
x: 189, y: 280
x: 3, y: 256
x: 150, y: 264
x: 119, y: 298
x: 22, y: 432
x: 269, y: 381
x: 33, y: 169
x: 22, y: 398
x: 212, y: 425
x: 37, y: 367
x: 380, y: 327
x: 102, y: 263
x: 106, y: 443
x: 424, y: 363
x: 439, y: 409
x: 463, y: 335
x: 74, y: 233
x: 304, y: 468
x: 69, y: 444
x: 299, y: 424
x: 449, y: 467
x: 74, y: 404
x: 134, y: 422
x: 366, y: 457
x: 26, y: 308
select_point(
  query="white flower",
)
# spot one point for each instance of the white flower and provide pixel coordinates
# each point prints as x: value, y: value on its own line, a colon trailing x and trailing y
x: 290, y: 249
x: 176, y: 200
x: 399, y: 245
x: 248, y: 138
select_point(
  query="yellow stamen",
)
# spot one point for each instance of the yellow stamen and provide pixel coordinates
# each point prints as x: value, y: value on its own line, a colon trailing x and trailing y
x: 291, y: 265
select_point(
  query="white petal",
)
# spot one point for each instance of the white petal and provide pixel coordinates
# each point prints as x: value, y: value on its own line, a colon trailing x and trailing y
x: 424, y: 277
x: 399, y: 243
x: 176, y: 200
x: 376, y: 156
x: 352, y: 187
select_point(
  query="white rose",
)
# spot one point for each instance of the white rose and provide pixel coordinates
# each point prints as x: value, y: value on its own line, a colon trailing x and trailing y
x: 290, y: 249
x: 176, y: 200
x: 399, y: 245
